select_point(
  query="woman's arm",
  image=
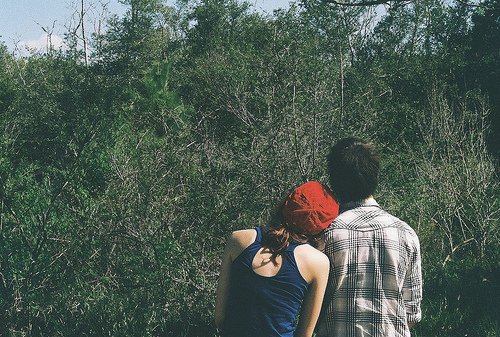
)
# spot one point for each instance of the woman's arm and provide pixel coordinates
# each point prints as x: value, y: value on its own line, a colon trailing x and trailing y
x: 236, y: 243
x: 311, y: 306
x: 223, y: 285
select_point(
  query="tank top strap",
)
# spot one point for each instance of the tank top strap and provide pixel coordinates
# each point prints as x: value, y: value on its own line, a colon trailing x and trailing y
x: 259, y: 234
x: 247, y: 255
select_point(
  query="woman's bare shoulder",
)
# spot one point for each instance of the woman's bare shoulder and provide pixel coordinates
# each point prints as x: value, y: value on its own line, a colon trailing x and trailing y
x: 239, y: 240
x: 244, y: 235
x: 310, y: 253
x: 311, y: 261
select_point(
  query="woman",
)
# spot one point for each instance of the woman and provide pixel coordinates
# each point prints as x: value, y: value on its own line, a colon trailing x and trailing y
x: 267, y: 273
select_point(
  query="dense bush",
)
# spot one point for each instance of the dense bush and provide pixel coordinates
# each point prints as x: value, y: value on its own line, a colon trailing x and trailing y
x: 121, y: 177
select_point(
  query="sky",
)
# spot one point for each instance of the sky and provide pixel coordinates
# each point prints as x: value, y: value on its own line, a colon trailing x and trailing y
x: 27, y: 22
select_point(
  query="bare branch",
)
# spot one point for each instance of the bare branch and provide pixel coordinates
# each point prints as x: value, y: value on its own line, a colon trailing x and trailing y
x: 455, y: 249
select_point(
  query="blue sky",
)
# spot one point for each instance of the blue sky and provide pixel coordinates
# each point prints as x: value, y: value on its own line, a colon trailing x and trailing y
x: 22, y: 22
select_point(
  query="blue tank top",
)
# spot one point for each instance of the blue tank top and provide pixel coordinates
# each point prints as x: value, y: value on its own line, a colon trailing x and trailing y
x: 260, y: 305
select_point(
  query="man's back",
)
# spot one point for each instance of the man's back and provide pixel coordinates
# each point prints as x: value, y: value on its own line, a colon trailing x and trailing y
x: 375, y: 284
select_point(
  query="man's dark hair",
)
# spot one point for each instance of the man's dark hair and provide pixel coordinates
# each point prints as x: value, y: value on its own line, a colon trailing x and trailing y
x: 353, y: 166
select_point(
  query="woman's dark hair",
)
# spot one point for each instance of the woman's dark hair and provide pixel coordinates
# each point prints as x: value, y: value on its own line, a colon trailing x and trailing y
x: 353, y: 166
x: 278, y: 235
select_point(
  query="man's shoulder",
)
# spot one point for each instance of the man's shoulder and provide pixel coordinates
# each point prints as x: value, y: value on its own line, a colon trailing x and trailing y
x: 398, y: 221
x: 406, y: 234
x: 370, y: 216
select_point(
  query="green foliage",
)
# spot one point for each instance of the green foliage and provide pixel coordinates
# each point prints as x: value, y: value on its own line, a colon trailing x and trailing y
x: 120, y: 181
x: 483, y: 62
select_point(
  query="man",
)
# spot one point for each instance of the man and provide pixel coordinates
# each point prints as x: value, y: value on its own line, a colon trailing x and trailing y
x: 375, y: 283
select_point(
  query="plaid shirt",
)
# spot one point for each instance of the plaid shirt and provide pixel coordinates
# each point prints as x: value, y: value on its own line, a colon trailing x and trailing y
x: 375, y: 284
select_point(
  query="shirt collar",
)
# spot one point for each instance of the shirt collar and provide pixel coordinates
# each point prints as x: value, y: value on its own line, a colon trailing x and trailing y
x: 359, y: 203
